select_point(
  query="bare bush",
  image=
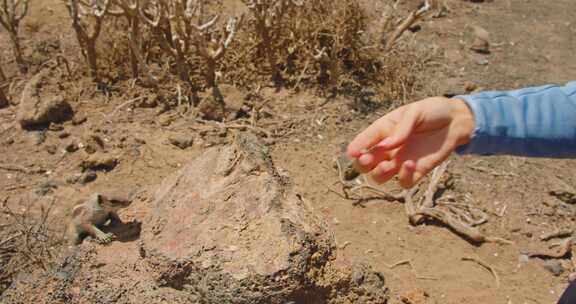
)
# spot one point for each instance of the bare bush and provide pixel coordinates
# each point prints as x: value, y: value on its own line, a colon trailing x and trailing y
x: 28, y: 241
x: 212, y: 46
x: 269, y: 18
x: 87, y: 17
x: 11, y: 13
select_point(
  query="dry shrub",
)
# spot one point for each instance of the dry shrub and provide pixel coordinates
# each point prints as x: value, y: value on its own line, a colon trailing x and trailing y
x: 28, y: 241
x: 299, y: 44
x: 324, y: 44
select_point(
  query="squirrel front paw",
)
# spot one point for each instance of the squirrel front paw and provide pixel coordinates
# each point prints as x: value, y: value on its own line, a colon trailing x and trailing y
x: 105, y: 238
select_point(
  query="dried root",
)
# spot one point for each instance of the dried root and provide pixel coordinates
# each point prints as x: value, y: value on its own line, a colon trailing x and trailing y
x: 459, y: 218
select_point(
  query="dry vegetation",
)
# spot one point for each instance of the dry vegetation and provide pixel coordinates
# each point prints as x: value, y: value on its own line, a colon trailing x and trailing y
x: 27, y: 241
x: 305, y: 44
x: 161, y: 45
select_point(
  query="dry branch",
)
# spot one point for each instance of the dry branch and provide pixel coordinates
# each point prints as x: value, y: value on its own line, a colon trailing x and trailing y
x: 269, y: 15
x: 11, y: 13
x: 392, y: 37
x: 3, y: 98
x: 211, y: 48
x: 486, y: 266
x: 130, y: 9
x: 452, y: 215
x: 87, y: 17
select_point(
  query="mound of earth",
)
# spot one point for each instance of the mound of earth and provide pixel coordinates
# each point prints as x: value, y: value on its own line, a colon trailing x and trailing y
x: 226, y: 228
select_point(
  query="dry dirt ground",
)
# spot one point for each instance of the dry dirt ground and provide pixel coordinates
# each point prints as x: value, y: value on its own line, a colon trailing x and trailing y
x: 533, y: 42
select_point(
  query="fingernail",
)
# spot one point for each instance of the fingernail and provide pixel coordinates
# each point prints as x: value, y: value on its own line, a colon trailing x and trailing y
x: 365, y: 159
x: 384, y: 143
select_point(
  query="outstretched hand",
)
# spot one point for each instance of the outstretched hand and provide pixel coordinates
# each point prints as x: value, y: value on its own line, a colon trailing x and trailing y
x: 412, y: 140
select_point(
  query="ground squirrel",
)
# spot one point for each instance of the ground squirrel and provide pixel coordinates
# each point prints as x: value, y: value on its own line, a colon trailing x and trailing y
x: 94, y: 212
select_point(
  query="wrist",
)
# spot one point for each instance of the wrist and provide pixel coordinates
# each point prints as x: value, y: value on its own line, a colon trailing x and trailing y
x: 463, y: 121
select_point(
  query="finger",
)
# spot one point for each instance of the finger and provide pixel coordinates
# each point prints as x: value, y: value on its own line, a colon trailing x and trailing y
x: 368, y: 161
x: 424, y: 166
x: 384, y: 171
x: 402, y: 130
x: 371, y: 136
x: 406, y: 174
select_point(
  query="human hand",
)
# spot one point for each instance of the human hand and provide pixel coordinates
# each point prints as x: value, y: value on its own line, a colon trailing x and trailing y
x: 411, y: 140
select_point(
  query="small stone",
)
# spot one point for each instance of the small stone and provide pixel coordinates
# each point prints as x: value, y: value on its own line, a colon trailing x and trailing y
x: 99, y: 162
x: 481, y: 43
x: 148, y: 102
x: 71, y: 147
x: 79, y: 119
x: 64, y: 134
x: 483, y: 62
x: 181, y: 141
x: 74, y: 178
x: 417, y: 296
x: 46, y: 187
x: 56, y: 127
x: 165, y: 120
x: 212, y: 109
x: 9, y: 141
x: 87, y: 177
x: 38, y: 137
x: 554, y: 266
x: 51, y: 149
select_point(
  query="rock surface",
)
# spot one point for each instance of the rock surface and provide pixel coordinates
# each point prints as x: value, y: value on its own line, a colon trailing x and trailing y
x: 37, y: 108
x: 226, y: 228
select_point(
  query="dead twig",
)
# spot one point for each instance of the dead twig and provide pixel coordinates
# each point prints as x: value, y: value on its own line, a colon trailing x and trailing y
x: 558, y: 233
x: 563, y: 251
x: 486, y: 266
x: 456, y: 218
x: 412, y: 268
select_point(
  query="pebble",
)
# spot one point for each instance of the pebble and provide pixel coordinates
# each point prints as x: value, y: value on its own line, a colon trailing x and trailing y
x: 46, y: 187
x: 181, y: 141
x: 51, y: 149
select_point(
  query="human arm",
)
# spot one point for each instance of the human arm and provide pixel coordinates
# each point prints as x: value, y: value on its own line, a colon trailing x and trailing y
x: 534, y: 122
x: 411, y: 140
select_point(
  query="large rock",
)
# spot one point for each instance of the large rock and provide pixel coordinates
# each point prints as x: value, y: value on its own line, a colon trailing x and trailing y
x: 227, y: 228
x: 40, y: 107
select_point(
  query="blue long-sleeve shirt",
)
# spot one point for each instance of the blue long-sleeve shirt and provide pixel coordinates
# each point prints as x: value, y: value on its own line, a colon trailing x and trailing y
x: 537, y: 122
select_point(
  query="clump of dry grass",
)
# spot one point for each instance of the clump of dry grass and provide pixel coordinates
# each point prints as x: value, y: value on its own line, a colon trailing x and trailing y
x: 28, y: 241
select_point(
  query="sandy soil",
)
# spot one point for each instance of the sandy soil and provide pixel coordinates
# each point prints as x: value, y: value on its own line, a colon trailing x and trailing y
x: 533, y: 42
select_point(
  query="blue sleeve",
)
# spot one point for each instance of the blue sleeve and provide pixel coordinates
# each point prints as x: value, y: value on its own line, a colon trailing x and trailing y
x: 536, y: 122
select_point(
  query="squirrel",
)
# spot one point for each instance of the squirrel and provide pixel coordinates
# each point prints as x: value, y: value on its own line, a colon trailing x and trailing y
x: 94, y: 212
